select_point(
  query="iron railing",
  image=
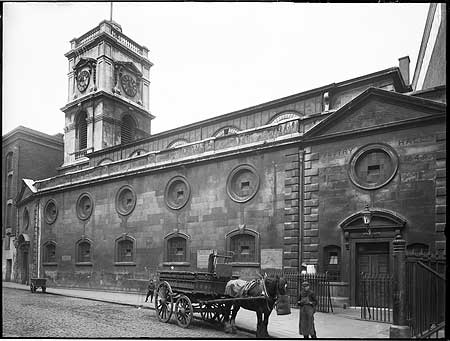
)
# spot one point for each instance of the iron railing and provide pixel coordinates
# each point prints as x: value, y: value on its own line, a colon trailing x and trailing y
x: 319, y: 283
x: 425, y: 294
x: 376, y: 297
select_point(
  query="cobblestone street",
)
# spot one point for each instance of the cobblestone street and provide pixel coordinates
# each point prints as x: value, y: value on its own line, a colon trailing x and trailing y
x: 43, y: 315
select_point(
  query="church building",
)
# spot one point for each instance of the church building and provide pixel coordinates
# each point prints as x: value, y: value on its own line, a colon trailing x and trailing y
x: 327, y: 177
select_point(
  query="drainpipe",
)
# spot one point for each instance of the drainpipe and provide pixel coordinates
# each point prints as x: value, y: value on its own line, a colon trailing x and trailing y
x: 300, y: 207
x: 39, y: 238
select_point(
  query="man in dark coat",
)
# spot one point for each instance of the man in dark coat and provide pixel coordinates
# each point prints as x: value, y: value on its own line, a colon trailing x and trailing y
x: 150, y: 290
x: 307, y: 302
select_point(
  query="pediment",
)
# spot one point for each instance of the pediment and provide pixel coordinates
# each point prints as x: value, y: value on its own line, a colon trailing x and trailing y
x: 376, y: 108
x: 27, y: 191
x: 85, y: 61
x: 128, y: 66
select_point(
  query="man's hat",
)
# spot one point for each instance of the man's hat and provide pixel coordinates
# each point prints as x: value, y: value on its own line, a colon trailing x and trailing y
x: 305, y: 284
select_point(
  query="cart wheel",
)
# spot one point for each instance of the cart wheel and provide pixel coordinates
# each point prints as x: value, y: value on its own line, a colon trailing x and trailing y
x: 184, y: 311
x: 164, y: 302
x: 43, y: 289
x: 207, y: 313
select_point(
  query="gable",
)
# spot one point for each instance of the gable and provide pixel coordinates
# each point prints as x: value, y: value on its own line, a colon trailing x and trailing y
x: 27, y: 190
x: 376, y: 108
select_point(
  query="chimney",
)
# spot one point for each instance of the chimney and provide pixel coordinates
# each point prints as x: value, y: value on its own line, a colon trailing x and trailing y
x: 403, y: 64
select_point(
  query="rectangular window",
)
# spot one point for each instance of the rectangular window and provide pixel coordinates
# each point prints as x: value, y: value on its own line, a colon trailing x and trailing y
x: 373, y: 170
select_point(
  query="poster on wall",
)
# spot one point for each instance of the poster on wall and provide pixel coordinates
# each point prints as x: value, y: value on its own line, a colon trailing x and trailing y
x: 202, y: 258
x: 271, y: 258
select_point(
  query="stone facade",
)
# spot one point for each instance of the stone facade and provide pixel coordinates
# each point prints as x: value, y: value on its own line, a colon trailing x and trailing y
x: 280, y: 184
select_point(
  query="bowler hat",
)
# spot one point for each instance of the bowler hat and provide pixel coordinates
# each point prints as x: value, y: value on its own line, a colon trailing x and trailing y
x: 305, y: 284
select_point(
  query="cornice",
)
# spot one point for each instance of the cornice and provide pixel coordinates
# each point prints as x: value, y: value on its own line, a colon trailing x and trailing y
x: 22, y: 132
x: 105, y: 36
x: 101, y: 93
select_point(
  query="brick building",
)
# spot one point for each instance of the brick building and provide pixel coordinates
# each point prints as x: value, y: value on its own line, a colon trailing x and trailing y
x: 29, y: 154
x: 278, y: 184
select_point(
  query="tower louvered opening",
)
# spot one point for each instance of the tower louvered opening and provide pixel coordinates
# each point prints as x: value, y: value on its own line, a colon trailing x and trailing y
x: 127, y: 129
x: 82, y: 131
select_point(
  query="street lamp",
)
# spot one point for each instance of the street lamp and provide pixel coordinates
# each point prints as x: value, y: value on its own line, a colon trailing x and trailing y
x: 367, y: 217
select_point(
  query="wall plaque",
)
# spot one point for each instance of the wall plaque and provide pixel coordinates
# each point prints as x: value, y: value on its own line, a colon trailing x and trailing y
x: 66, y: 258
x: 271, y: 258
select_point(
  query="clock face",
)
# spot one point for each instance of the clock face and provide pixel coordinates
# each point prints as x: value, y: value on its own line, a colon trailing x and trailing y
x: 129, y: 85
x: 83, y: 80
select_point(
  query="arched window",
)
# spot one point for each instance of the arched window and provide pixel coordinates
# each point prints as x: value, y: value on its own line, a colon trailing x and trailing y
x: 138, y: 152
x: 10, y: 186
x: 332, y: 261
x: 84, y: 251
x: 177, y: 248
x: 244, y: 244
x: 49, y: 252
x: 81, y: 131
x: 177, y: 143
x: 127, y: 129
x: 224, y: 131
x: 285, y: 116
x: 8, y: 215
x: 25, y: 219
x: 104, y: 161
x: 125, y: 249
x: 9, y: 162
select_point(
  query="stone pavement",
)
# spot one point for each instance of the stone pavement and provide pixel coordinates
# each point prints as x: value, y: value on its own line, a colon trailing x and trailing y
x: 343, y: 324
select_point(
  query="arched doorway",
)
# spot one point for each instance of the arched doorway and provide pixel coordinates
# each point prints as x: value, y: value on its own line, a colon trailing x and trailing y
x: 368, y: 247
x: 23, y: 254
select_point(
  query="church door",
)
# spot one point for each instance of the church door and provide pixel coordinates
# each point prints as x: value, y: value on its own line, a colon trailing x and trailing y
x: 24, y: 266
x: 372, y: 258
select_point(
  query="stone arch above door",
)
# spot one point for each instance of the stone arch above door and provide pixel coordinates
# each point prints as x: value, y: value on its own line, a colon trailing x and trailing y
x: 384, y: 224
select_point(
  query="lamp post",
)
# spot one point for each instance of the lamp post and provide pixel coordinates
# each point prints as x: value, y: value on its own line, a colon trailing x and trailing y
x: 367, y: 218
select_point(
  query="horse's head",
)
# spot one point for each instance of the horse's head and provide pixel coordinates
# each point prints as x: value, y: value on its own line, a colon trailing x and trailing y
x: 282, y: 285
x: 276, y: 286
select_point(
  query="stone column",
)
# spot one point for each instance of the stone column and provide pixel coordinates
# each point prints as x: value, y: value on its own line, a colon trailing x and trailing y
x: 399, y: 329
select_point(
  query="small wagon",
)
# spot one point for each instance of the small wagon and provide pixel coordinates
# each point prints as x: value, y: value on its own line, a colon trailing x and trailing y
x: 186, y: 293
x: 36, y: 283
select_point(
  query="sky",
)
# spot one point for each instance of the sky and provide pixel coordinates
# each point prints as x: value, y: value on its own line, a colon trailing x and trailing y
x: 209, y: 58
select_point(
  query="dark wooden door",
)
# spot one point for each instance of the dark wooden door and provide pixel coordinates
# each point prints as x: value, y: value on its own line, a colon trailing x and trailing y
x: 8, y: 270
x: 372, y: 258
x: 25, y: 267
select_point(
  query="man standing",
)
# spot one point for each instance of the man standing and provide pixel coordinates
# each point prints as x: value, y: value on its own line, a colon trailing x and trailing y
x: 307, y: 302
x: 150, y: 290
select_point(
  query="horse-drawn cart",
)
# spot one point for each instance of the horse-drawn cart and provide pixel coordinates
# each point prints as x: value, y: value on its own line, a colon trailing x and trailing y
x: 186, y: 293
x: 36, y: 283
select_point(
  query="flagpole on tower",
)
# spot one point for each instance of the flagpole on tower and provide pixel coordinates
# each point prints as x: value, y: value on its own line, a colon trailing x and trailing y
x: 111, y: 11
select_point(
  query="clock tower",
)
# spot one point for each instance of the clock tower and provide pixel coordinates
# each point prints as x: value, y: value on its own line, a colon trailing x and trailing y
x: 108, y: 92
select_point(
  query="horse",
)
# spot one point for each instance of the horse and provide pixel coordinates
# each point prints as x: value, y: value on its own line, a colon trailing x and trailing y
x: 273, y: 287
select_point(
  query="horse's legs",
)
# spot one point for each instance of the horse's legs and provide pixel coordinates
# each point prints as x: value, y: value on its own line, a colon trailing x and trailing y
x: 226, y: 320
x: 259, y: 327
x: 233, y: 318
x: 264, y: 325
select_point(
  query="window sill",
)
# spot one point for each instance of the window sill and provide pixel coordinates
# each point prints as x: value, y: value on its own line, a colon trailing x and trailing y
x: 248, y: 264
x: 84, y: 263
x: 177, y: 263
x: 125, y: 263
x: 49, y: 264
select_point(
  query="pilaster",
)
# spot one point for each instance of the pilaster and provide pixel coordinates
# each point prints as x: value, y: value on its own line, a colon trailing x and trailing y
x: 291, y: 211
x: 311, y: 208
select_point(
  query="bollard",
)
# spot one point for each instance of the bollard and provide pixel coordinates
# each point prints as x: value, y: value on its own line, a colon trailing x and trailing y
x: 399, y: 329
